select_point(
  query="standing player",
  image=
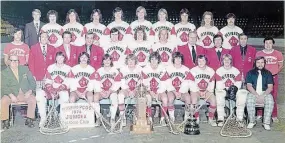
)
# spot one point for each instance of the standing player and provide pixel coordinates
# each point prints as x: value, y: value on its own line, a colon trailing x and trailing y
x: 207, y: 30
x: 216, y: 53
x: 182, y: 29
x: 109, y: 84
x: 96, y: 28
x: 74, y: 27
x: 230, y: 32
x: 162, y: 23
x: 202, y: 86
x: 53, y: 29
x: 274, y: 63
x: 243, y: 55
x: 164, y: 47
x: 177, y: 85
x: 141, y: 22
x: 140, y: 47
x: 119, y: 24
x: 155, y: 75
x: 131, y: 73
x: 226, y: 76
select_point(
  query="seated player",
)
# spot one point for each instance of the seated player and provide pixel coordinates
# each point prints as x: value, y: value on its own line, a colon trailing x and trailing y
x: 202, y: 86
x: 154, y: 78
x: 131, y: 73
x: 177, y: 85
x: 226, y: 76
x: 109, y: 83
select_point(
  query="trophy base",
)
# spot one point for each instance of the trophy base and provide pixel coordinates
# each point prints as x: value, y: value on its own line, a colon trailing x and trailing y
x: 141, y: 128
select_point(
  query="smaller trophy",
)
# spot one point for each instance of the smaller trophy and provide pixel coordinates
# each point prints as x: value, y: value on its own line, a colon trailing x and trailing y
x: 191, y: 127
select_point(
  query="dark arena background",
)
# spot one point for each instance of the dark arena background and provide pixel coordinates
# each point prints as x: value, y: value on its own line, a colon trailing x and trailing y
x: 257, y: 19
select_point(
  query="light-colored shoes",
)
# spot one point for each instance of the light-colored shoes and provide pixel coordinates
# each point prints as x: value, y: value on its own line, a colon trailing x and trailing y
x: 162, y: 121
x: 220, y: 123
x: 251, y: 125
x: 258, y: 118
x: 97, y: 123
x: 212, y: 123
x: 275, y: 120
x: 266, y: 127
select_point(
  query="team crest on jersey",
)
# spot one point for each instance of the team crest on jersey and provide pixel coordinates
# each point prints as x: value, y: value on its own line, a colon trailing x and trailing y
x: 207, y: 41
x: 184, y: 37
x: 203, y: 85
x: 132, y: 84
x: 73, y: 37
x: 164, y: 56
x: 107, y: 84
x: 52, y: 38
x: 115, y: 56
x: 153, y: 85
x: 233, y: 41
x: 176, y: 83
x: 228, y: 83
x: 58, y: 79
x: 83, y: 82
x: 141, y: 57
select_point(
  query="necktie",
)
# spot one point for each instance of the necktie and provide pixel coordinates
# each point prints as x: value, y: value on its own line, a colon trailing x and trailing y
x: 37, y: 28
x: 259, y: 83
x: 219, y: 54
x: 243, y: 52
x: 44, y: 52
x: 193, y: 54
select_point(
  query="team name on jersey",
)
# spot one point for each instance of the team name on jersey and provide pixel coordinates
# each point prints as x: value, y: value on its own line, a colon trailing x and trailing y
x: 157, y: 75
x: 121, y: 28
x: 203, y: 76
x: 53, y: 31
x: 94, y: 30
x: 131, y: 76
x: 85, y: 74
x: 231, y: 34
x: 141, y: 49
x: 175, y: 74
x: 183, y: 29
x: 161, y: 27
x: 207, y: 33
x: 226, y: 76
x: 107, y: 76
x: 58, y: 73
x: 73, y: 30
x: 164, y: 49
x: 115, y: 48
x: 143, y: 27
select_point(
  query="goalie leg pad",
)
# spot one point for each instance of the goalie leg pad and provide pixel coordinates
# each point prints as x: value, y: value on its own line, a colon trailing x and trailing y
x: 41, y: 101
x: 220, y: 98
x: 114, y: 105
x: 121, y: 101
x: 240, y: 103
x: 63, y: 97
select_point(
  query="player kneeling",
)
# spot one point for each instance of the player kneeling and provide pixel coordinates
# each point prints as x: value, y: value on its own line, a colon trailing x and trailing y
x: 202, y: 87
x: 178, y: 85
x: 109, y: 83
x: 155, y: 76
x: 228, y: 77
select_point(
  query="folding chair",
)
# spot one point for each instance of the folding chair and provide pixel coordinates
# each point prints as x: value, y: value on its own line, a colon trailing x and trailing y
x: 13, y: 105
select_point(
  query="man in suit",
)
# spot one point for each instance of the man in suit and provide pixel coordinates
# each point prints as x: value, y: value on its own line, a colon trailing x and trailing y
x: 32, y: 29
x: 191, y: 50
x: 18, y: 85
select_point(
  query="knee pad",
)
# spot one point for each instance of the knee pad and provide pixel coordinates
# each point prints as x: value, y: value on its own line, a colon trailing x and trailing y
x: 241, y: 96
x: 220, y: 97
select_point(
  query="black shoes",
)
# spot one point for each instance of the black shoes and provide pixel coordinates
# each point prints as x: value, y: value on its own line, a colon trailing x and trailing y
x: 30, y: 123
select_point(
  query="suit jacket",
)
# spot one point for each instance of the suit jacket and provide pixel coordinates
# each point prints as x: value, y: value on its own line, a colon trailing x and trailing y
x: 188, y: 60
x: 96, y: 55
x: 37, y: 64
x: 9, y: 83
x: 213, y: 60
x: 73, y: 59
x: 31, y: 36
x: 243, y: 65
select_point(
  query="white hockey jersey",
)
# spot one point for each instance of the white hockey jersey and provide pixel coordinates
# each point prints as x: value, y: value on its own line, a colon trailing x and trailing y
x: 97, y: 30
x: 182, y: 31
x: 178, y: 79
x: 57, y: 76
x: 146, y: 25
x: 108, y: 80
x: 202, y: 80
x: 156, y: 27
x: 165, y: 51
x: 81, y: 78
x: 230, y: 36
x: 206, y: 36
x: 76, y: 30
x: 155, y: 80
x: 227, y: 77
x: 141, y: 50
x: 130, y: 79
x: 122, y: 27
x: 54, y: 32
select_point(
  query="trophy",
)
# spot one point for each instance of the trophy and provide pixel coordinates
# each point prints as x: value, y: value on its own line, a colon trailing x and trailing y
x: 191, y: 127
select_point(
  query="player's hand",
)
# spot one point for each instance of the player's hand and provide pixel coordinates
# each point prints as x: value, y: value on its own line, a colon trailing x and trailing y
x: 13, y: 98
x: 28, y: 93
x: 203, y: 94
x: 260, y: 99
x: 177, y: 95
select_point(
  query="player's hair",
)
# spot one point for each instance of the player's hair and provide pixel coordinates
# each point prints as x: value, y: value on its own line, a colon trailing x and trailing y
x: 136, y: 33
x: 118, y: 9
x: 67, y: 20
x: 52, y: 12
x: 242, y: 34
x: 159, y: 33
x: 202, y: 57
x: 177, y: 55
x: 257, y: 59
x: 194, y: 32
x: 60, y: 53
x: 99, y: 12
x: 82, y: 54
x: 227, y: 56
x: 66, y: 32
x: 155, y: 55
x: 89, y: 33
x: 163, y: 11
x: 230, y: 15
x: 212, y: 17
x: 36, y: 10
x: 105, y: 57
x: 131, y: 57
x: 43, y: 32
x: 17, y: 30
x: 139, y: 9
x: 218, y: 36
x: 269, y: 38
x: 113, y: 30
x: 184, y: 10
